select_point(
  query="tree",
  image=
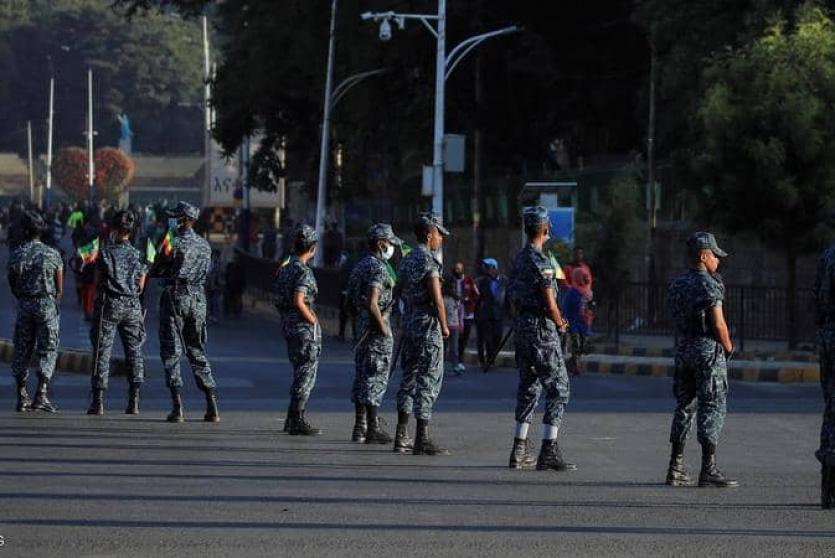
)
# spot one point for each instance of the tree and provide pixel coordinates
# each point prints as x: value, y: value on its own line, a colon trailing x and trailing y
x: 150, y: 68
x: 114, y: 172
x: 768, y: 152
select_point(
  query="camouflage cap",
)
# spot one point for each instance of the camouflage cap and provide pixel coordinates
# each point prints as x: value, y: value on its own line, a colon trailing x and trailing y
x: 306, y: 234
x: 383, y: 231
x: 185, y: 209
x: 432, y: 219
x: 534, y: 216
x: 32, y: 221
x: 704, y: 241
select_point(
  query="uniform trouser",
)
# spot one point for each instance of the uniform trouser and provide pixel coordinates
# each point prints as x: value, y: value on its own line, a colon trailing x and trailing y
x: 489, y: 336
x: 36, y: 330
x: 826, y: 345
x: 700, y: 386
x: 541, y: 368
x: 464, y: 338
x: 373, y: 364
x: 182, y: 326
x: 423, y: 370
x: 304, y: 344
x: 121, y: 315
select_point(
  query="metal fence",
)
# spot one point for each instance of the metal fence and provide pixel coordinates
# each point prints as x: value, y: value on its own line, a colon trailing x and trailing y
x: 760, y: 313
x: 752, y: 313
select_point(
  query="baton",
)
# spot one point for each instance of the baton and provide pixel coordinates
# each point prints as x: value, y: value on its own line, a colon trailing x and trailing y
x: 495, y: 354
x: 396, y: 354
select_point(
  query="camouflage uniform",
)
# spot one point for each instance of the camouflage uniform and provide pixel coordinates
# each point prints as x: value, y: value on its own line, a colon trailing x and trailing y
x: 701, y: 370
x: 118, y: 309
x: 304, y: 341
x: 32, y: 267
x: 423, y: 345
x: 825, y: 297
x: 538, y: 353
x: 182, y: 310
x: 374, y: 353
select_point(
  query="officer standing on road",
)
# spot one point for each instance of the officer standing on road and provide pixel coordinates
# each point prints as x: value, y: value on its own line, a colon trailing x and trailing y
x: 36, y: 277
x: 370, y: 290
x: 120, y: 279
x: 294, y: 292
x: 825, y: 298
x: 182, y: 311
x: 537, y: 325
x: 695, y: 301
x: 424, y: 329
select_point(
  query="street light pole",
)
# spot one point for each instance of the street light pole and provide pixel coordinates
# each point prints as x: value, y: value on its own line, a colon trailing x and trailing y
x: 325, y: 147
x: 90, y: 165
x: 31, y: 164
x: 207, y: 124
x: 438, y: 141
x: 48, y: 196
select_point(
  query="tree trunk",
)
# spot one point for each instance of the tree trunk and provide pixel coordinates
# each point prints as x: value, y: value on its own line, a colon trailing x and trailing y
x: 791, y: 298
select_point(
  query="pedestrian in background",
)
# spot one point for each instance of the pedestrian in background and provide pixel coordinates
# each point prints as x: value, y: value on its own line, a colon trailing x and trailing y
x: 467, y: 291
x: 453, y: 320
x: 491, y: 309
x: 577, y: 309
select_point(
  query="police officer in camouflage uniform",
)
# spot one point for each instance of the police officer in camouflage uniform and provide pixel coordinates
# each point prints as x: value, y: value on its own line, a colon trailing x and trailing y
x: 36, y: 277
x: 695, y: 300
x: 424, y: 330
x: 538, y: 323
x: 182, y: 311
x: 370, y: 289
x: 294, y: 292
x: 825, y: 298
x: 120, y: 278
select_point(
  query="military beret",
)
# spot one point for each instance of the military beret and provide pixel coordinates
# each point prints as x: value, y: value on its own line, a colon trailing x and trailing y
x: 306, y: 234
x: 705, y: 241
x: 432, y: 219
x: 383, y: 231
x: 185, y: 209
x: 534, y: 216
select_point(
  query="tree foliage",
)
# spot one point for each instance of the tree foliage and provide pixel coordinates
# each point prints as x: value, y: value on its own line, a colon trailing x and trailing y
x: 149, y: 67
x: 114, y: 172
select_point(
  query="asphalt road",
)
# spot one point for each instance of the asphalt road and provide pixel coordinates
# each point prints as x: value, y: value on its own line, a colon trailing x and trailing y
x: 72, y: 485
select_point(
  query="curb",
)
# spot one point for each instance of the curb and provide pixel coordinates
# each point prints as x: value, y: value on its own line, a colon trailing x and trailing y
x: 785, y: 375
x: 670, y: 353
x: 76, y: 361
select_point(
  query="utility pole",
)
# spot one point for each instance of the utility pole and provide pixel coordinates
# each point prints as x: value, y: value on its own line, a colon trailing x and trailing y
x: 31, y: 167
x: 438, y: 143
x: 91, y: 170
x: 48, y: 195
x: 324, y: 149
x: 651, y: 142
x: 207, y: 124
x: 478, y: 232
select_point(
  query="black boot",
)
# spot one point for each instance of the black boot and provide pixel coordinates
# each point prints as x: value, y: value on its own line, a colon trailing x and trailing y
x: 360, y: 424
x: 376, y: 434
x: 96, y: 402
x: 677, y: 474
x: 827, y: 487
x: 550, y: 458
x: 24, y: 404
x: 176, y: 414
x: 289, y: 417
x: 42, y: 402
x: 402, y: 442
x: 300, y: 427
x: 520, y: 455
x: 710, y: 474
x: 424, y: 444
x: 133, y: 400
x: 211, y: 406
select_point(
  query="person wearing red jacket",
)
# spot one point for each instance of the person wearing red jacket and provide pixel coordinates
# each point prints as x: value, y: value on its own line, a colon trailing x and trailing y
x: 468, y: 294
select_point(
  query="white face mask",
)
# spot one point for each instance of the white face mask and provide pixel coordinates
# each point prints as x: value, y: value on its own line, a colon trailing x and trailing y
x: 388, y: 252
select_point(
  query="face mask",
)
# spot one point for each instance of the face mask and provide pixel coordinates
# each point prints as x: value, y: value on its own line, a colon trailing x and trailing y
x: 388, y: 252
x: 458, y: 274
x: 548, y: 234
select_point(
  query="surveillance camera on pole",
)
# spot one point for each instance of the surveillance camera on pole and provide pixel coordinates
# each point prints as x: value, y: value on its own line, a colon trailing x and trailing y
x: 385, y: 30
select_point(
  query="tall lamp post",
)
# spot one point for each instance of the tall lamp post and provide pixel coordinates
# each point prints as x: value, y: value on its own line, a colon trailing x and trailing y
x: 445, y: 64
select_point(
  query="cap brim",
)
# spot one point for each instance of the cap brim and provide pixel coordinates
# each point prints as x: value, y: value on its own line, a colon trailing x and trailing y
x: 395, y: 240
x: 442, y: 229
x: 719, y: 252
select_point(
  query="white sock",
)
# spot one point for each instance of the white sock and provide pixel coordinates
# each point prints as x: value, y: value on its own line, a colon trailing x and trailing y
x: 521, y: 431
x: 550, y: 432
